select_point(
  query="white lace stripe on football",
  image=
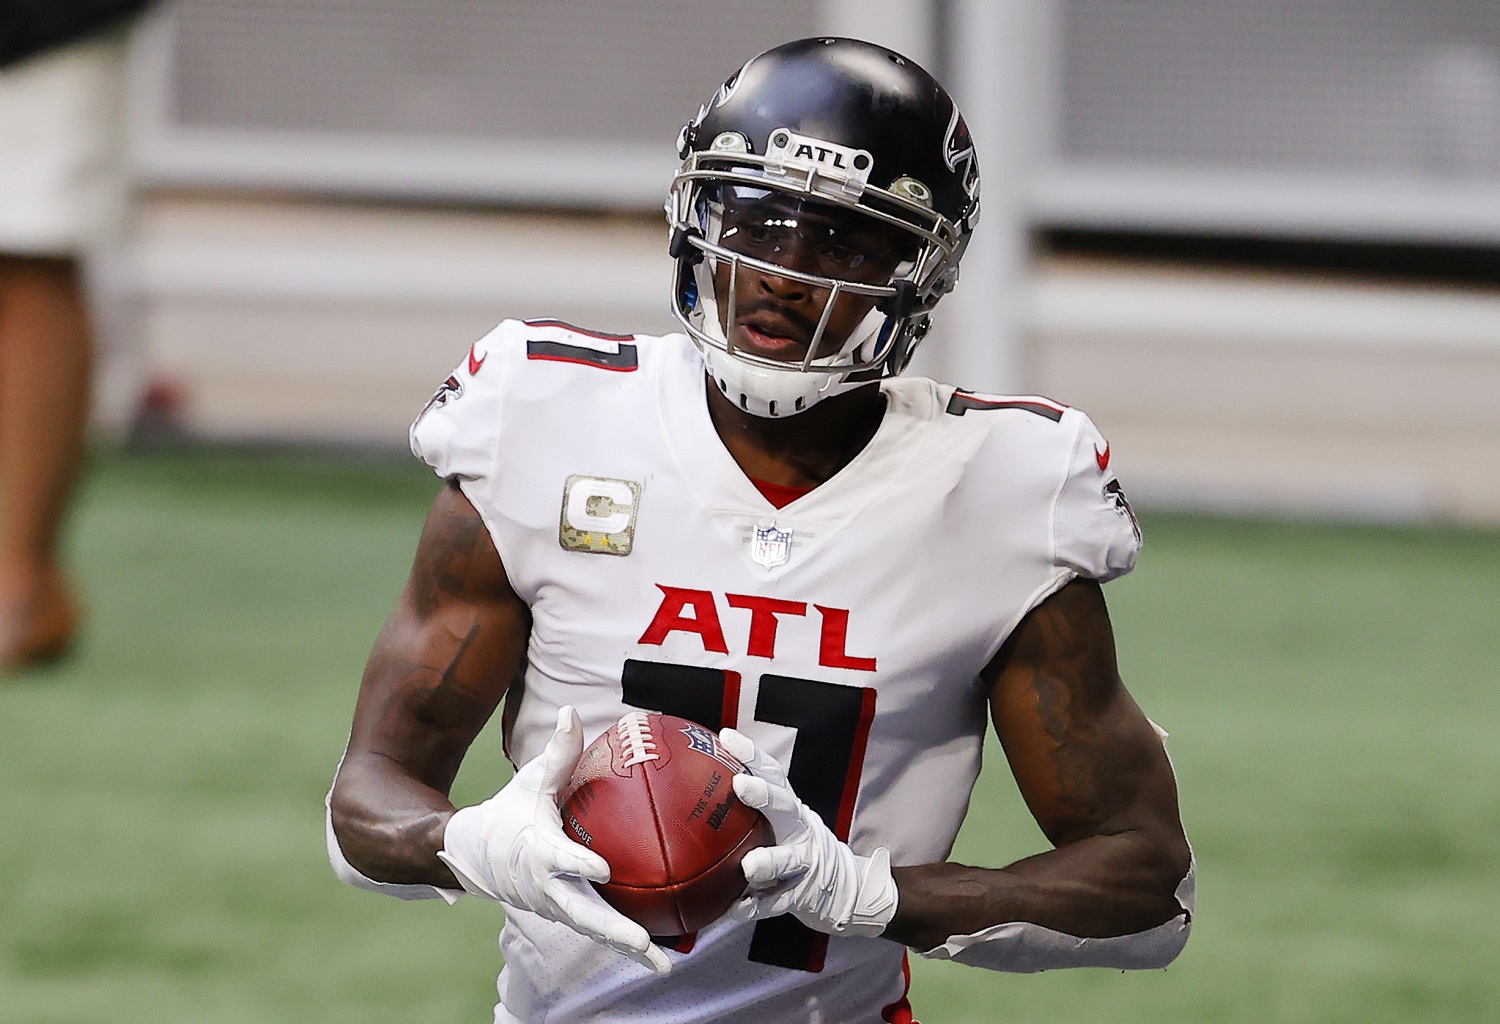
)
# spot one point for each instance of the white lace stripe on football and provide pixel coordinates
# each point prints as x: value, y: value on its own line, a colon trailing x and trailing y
x: 636, y: 739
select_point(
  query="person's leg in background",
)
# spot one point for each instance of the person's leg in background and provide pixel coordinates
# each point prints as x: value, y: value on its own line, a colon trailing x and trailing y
x: 61, y: 142
x: 46, y: 349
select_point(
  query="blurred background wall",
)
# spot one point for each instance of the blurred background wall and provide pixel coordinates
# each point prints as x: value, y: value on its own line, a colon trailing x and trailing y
x: 1259, y: 242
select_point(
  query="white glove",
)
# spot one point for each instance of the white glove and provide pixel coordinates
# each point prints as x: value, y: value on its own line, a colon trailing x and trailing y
x: 512, y: 848
x: 810, y: 872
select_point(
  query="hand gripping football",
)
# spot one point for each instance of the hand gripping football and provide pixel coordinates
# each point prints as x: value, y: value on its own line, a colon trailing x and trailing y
x: 652, y: 796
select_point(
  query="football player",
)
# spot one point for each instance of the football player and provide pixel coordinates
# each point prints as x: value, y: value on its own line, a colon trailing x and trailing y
x: 758, y: 525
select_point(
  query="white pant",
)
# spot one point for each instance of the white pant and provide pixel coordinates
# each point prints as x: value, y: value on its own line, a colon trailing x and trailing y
x: 61, y: 139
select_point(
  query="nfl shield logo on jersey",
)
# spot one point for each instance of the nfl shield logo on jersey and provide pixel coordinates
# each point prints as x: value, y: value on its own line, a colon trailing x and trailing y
x: 770, y: 547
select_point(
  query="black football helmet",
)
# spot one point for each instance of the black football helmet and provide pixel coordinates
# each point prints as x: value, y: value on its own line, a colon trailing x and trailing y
x: 851, y: 143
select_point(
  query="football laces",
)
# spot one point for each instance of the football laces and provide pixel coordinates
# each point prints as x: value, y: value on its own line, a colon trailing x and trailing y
x: 636, y: 740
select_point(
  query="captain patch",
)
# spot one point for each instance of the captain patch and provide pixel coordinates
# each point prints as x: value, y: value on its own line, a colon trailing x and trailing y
x: 598, y: 515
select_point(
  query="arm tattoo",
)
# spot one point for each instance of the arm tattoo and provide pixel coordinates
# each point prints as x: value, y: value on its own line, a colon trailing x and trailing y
x: 1062, y: 671
x: 447, y: 550
x: 450, y: 661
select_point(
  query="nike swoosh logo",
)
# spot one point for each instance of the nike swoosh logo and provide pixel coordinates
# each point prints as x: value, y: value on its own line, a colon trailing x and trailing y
x: 475, y: 364
x: 1100, y: 457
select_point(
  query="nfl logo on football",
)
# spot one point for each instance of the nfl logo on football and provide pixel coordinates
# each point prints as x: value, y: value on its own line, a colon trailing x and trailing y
x: 770, y: 547
x: 705, y: 742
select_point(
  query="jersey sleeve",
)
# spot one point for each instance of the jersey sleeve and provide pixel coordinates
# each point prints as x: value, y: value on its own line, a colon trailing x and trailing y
x: 457, y: 432
x: 1095, y: 532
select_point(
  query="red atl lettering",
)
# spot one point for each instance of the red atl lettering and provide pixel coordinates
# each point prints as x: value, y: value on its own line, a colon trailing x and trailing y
x: 673, y: 616
x: 832, y: 643
x: 763, y: 612
x: 669, y: 617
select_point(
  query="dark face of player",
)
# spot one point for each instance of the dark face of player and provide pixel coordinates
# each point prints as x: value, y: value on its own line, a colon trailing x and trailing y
x: 775, y: 316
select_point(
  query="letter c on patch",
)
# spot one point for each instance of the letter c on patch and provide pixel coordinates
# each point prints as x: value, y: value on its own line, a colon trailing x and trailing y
x: 599, y: 506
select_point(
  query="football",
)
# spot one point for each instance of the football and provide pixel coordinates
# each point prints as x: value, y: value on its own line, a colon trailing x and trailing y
x: 653, y: 797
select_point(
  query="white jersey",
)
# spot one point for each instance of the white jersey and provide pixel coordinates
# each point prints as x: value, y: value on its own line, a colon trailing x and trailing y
x: 844, y: 633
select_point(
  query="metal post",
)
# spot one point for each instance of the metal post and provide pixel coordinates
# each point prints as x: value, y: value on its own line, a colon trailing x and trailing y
x: 979, y: 330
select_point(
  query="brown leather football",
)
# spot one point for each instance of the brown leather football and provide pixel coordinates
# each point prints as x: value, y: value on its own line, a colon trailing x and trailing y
x: 653, y: 797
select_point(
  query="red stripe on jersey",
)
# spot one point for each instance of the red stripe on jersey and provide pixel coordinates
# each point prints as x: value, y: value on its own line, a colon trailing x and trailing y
x: 730, y: 715
x: 899, y: 1012
x: 856, y: 764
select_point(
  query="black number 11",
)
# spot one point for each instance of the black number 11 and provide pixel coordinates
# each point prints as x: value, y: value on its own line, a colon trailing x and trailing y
x: 833, y: 725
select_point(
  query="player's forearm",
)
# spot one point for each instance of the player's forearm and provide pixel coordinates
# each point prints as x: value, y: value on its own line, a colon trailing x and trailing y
x: 1098, y: 887
x: 390, y: 826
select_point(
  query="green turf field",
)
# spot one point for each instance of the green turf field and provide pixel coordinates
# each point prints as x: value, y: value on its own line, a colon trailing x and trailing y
x: 1332, y: 694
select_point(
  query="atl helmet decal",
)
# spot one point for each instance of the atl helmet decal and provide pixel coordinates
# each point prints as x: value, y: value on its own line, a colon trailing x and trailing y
x: 848, y: 168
